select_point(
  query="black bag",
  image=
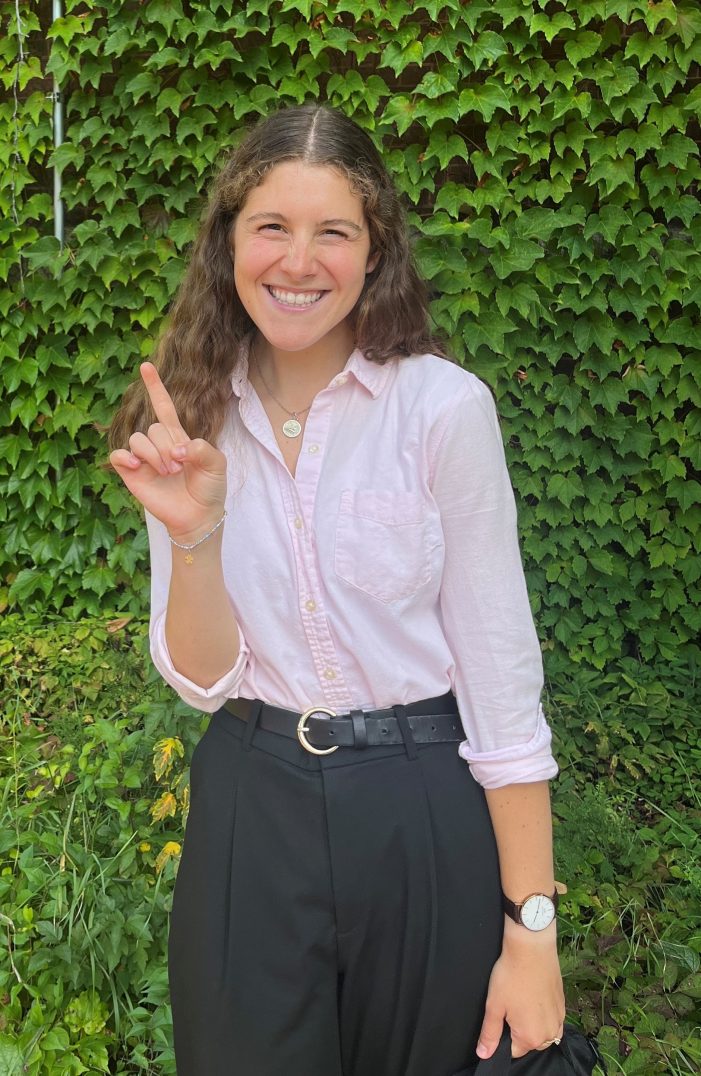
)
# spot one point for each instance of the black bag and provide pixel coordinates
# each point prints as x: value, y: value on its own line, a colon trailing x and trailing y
x: 576, y: 1055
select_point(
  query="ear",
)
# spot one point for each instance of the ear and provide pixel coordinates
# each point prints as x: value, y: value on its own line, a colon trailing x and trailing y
x: 372, y: 262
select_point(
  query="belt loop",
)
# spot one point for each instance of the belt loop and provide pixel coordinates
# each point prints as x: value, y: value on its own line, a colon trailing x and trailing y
x: 253, y: 715
x: 360, y: 729
x: 404, y: 727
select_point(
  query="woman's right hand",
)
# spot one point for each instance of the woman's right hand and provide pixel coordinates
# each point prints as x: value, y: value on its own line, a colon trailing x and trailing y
x: 180, y: 481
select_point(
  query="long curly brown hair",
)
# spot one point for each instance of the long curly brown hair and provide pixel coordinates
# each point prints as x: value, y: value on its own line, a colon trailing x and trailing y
x: 201, y: 342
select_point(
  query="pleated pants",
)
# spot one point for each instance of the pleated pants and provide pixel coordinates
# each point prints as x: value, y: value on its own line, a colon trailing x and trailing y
x: 333, y: 915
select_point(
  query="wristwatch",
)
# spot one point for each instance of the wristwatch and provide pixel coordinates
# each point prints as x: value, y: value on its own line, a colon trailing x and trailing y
x: 536, y: 912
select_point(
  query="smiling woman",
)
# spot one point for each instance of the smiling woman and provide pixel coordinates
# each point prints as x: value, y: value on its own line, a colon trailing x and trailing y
x: 209, y: 323
x: 336, y: 577
x: 307, y: 259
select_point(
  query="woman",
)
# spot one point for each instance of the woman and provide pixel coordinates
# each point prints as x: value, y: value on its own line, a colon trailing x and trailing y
x: 334, y: 561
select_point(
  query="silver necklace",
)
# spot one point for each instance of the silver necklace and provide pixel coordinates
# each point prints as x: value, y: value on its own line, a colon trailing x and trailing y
x: 292, y: 427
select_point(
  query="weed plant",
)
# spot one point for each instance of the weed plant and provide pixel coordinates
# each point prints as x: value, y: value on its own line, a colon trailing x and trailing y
x: 83, y: 985
x: 93, y: 793
x: 627, y: 816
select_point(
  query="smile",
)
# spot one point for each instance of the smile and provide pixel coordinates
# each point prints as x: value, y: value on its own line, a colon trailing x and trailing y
x: 295, y: 299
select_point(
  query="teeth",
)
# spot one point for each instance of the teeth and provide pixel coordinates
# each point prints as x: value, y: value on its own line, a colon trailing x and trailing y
x: 295, y: 298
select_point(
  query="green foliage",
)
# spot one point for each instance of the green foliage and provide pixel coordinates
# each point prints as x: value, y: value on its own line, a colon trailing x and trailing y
x: 549, y: 159
x: 630, y: 927
x: 637, y: 727
x: 89, y: 738
x: 85, y: 876
x: 627, y: 827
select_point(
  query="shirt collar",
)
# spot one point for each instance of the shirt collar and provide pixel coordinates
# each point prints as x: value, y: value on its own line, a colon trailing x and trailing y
x: 371, y: 375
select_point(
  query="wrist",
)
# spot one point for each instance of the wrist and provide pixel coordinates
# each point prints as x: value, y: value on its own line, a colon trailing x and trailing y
x: 516, y: 936
x: 535, y: 911
x: 207, y: 531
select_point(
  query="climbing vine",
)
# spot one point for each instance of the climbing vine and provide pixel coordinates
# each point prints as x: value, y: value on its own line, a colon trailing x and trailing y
x: 548, y: 153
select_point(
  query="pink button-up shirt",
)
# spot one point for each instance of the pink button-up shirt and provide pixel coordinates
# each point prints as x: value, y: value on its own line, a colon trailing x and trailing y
x: 387, y: 570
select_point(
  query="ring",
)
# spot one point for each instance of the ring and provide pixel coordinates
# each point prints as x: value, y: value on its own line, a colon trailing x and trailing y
x: 550, y: 1043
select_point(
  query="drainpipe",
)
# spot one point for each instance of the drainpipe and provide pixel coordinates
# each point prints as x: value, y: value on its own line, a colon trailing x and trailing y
x: 58, y: 139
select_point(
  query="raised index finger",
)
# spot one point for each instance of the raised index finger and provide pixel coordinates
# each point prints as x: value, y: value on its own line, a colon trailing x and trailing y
x: 162, y: 403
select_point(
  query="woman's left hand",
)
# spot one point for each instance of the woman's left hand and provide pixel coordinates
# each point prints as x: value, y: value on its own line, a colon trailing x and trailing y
x: 525, y: 989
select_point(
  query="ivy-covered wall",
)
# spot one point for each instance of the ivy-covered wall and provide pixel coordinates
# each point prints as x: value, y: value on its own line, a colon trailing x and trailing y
x: 549, y: 154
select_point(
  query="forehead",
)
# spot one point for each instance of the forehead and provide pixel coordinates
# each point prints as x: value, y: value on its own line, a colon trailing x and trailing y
x: 297, y: 186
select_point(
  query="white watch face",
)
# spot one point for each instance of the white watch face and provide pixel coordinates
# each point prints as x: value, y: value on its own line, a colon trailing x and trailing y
x: 537, y: 912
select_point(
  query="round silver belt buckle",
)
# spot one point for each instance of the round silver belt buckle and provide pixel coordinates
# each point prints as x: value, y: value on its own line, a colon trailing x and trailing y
x: 302, y: 730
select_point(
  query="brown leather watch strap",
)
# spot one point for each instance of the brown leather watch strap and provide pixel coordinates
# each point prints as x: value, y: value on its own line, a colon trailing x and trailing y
x: 513, y: 909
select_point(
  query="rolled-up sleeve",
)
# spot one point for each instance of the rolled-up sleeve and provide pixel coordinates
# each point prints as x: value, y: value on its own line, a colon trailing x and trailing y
x: 227, y: 687
x: 498, y: 672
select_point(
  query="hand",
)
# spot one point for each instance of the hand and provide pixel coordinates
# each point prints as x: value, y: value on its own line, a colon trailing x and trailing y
x: 181, y: 481
x: 525, y: 989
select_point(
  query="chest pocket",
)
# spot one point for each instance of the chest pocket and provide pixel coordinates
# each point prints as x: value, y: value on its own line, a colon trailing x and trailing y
x: 382, y: 543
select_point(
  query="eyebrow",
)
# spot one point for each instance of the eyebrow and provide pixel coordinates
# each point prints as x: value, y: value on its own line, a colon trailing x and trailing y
x: 334, y: 221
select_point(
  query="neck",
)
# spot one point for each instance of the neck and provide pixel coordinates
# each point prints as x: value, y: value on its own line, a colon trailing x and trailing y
x: 296, y: 376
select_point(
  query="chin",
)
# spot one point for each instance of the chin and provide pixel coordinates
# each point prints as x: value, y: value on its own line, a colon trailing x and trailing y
x: 282, y: 342
x: 292, y: 341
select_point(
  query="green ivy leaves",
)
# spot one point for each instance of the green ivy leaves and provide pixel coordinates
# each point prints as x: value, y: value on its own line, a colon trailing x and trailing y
x: 548, y: 157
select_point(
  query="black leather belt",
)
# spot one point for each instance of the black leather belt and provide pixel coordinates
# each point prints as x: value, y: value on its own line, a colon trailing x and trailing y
x: 431, y: 721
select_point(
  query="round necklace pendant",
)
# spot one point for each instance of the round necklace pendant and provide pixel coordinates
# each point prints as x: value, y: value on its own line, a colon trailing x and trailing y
x: 292, y: 428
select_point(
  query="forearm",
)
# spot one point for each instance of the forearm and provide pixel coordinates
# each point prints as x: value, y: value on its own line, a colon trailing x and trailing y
x: 201, y: 631
x: 522, y: 822
x: 525, y: 987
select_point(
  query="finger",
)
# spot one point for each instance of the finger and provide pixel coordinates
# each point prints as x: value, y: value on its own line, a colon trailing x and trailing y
x: 203, y: 455
x: 122, y: 460
x: 521, y: 1046
x: 158, y: 435
x: 547, y: 1040
x: 132, y: 471
x: 145, y: 450
x: 558, y: 1036
x: 162, y: 403
x: 490, y: 1035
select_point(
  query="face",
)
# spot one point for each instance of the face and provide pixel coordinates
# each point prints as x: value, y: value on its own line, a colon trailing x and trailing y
x: 301, y: 253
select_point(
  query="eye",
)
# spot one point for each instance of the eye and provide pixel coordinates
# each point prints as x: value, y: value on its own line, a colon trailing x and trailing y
x: 333, y: 231
x: 272, y: 224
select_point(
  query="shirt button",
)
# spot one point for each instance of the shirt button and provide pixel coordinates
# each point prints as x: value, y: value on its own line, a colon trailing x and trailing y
x: 329, y: 674
x: 310, y: 606
x: 313, y: 448
x: 299, y: 523
x: 341, y: 379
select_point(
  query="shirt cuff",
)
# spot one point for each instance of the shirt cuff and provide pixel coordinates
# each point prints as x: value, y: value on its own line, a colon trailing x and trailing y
x: 207, y: 699
x: 516, y: 764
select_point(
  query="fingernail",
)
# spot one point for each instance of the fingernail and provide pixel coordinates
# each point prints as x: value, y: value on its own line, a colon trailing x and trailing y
x: 175, y: 467
x: 482, y: 1050
x: 179, y: 451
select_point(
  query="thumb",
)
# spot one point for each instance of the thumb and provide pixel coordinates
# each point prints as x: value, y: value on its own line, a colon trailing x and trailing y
x: 490, y: 1035
x: 201, y: 453
x: 202, y: 462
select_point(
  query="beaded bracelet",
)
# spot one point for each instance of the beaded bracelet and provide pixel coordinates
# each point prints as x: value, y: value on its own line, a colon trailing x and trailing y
x: 188, y: 547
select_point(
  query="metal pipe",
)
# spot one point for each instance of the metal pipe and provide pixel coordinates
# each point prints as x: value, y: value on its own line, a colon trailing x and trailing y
x: 58, y: 139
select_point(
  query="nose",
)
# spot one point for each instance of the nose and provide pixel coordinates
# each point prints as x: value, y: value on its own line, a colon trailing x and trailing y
x: 299, y: 259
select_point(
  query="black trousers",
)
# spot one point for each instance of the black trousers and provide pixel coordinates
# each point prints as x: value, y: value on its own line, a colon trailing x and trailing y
x: 333, y: 915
